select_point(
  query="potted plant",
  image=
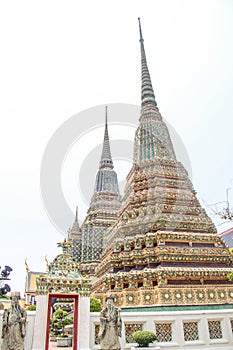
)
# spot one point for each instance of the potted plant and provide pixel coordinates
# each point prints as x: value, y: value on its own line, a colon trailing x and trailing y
x: 63, y: 340
x: 144, y: 338
x: 53, y: 336
x: 59, y: 322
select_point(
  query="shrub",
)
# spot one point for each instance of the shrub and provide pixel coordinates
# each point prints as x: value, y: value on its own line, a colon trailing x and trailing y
x: 143, y: 338
x: 31, y: 308
x: 95, y: 305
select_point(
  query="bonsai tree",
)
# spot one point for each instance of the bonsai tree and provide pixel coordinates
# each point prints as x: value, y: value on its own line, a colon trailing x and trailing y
x: 143, y: 338
x: 95, y: 305
x: 60, y: 321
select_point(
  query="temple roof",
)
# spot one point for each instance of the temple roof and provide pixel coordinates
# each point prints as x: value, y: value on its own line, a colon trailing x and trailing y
x: 63, y: 275
x: 64, y: 265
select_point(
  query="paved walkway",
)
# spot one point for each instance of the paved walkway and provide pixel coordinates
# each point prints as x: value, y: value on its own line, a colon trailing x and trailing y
x: 53, y: 345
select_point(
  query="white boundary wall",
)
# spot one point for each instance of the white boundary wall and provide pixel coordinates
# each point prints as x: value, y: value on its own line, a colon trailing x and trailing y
x: 176, y: 318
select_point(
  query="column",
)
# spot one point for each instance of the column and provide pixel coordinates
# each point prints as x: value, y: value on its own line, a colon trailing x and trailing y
x: 84, y: 323
x: 40, y: 323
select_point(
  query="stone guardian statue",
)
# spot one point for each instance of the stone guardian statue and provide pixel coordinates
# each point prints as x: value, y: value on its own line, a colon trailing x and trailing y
x: 110, y: 326
x: 14, y: 325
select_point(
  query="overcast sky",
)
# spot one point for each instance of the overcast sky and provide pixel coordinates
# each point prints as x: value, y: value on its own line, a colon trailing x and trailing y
x: 61, y: 57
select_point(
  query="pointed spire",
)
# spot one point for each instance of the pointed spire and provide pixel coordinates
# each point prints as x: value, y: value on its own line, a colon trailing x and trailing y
x: 148, y: 96
x: 106, y: 117
x: 75, y: 228
x: 106, y: 158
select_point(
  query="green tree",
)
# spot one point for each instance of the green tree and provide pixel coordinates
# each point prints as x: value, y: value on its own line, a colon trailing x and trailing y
x: 60, y: 320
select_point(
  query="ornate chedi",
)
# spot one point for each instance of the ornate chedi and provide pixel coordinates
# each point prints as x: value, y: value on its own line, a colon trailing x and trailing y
x: 164, y: 249
x: 75, y: 238
x: 63, y: 275
x: 103, y: 210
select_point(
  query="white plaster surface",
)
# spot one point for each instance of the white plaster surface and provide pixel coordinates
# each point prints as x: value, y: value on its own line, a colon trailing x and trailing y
x: 30, y: 329
x: 177, y: 318
x: 40, y: 323
x: 84, y: 323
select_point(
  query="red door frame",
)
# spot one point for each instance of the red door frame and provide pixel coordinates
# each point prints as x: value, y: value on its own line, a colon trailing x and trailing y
x: 75, y: 322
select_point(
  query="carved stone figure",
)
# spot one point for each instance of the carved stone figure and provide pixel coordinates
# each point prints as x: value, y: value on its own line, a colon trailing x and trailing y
x: 14, y: 325
x: 110, y: 326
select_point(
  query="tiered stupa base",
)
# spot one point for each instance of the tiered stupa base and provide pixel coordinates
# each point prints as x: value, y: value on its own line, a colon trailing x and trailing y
x: 171, y: 296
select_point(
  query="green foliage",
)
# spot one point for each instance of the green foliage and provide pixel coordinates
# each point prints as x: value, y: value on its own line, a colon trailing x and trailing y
x: 60, y: 314
x: 231, y: 250
x: 143, y: 338
x: 4, y: 297
x: 95, y: 305
x: 59, y: 321
x: 31, y: 308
